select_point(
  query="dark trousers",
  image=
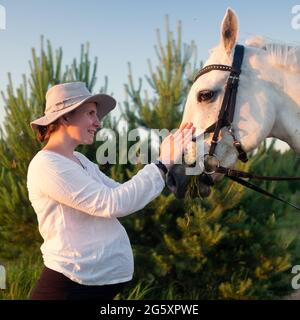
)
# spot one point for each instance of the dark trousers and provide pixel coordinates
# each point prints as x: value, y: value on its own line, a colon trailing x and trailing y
x: 53, y: 285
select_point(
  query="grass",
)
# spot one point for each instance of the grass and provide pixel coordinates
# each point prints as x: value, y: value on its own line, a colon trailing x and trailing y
x: 23, y: 274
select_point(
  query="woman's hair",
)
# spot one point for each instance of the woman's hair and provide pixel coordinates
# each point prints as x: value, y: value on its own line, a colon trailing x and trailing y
x: 44, y: 132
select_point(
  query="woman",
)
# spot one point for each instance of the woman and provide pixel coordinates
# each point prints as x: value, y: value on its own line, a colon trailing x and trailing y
x: 86, y: 251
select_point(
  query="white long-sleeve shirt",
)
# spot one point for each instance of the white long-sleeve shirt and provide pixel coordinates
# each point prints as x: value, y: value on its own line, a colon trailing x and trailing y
x: 77, y: 210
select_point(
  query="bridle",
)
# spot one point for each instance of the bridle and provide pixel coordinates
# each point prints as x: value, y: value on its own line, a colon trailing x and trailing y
x: 226, y: 114
x: 225, y: 119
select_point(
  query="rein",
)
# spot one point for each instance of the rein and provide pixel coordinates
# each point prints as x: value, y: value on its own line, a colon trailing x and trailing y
x: 225, y: 119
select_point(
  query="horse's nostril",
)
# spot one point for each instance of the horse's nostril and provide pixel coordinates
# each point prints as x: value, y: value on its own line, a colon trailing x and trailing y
x: 211, y: 163
x: 206, y: 179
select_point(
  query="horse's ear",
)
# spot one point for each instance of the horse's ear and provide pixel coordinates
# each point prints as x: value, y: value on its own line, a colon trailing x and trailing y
x: 229, y: 30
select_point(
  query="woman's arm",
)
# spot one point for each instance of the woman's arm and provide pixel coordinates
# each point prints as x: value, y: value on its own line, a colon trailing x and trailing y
x: 107, y: 180
x: 66, y: 184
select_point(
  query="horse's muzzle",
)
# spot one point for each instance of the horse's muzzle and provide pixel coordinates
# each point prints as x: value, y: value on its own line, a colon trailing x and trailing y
x: 178, y: 182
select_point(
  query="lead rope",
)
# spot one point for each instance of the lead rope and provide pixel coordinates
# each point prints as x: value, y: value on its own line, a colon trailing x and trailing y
x: 239, y: 176
x: 262, y: 191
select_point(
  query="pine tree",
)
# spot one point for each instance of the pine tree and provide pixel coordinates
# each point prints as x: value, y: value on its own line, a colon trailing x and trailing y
x: 170, y: 82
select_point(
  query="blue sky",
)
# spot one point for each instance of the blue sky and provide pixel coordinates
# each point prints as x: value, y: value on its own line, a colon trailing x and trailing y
x: 124, y: 30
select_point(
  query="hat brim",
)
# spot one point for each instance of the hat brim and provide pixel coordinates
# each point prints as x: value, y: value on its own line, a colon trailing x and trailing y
x: 105, y: 104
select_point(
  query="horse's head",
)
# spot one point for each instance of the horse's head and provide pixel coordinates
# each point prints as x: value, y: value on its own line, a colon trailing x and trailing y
x: 253, y: 117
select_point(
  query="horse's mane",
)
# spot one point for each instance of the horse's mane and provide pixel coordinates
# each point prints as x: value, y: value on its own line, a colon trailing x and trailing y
x: 281, y: 54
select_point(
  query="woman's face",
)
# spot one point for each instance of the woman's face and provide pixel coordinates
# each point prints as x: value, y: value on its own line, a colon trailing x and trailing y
x: 83, y: 123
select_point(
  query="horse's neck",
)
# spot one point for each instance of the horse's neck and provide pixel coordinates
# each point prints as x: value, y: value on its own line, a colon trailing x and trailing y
x: 287, y: 124
x: 287, y: 128
x: 286, y: 97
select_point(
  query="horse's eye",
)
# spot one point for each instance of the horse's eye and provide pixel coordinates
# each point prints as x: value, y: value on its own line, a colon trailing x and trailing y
x: 205, y: 95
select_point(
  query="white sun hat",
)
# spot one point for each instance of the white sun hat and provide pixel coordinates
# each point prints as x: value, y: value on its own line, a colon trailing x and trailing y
x: 65, y: 97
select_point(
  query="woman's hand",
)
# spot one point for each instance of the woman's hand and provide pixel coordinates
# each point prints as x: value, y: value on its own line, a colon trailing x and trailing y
x: 172, y: 147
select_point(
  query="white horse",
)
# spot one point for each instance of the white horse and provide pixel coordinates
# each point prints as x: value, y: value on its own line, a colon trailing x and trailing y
x: 268, y: 96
